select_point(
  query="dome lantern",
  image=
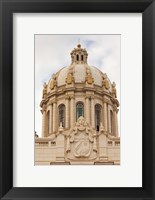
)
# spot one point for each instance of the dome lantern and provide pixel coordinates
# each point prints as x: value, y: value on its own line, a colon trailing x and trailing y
x: 79, y: 55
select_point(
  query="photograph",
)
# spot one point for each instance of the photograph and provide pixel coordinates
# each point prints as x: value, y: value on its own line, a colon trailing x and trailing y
x: 77, y: 99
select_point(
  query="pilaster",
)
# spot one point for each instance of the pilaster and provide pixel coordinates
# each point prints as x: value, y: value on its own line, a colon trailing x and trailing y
x: 72, y: 111
x: 92, y: 112
x: 51, y: 118
x: 67, y: 113
x: 105, y: 116
x: 54, y: 116
x: 115, y: 123
x: 43, y: 122
x: 88, y: 109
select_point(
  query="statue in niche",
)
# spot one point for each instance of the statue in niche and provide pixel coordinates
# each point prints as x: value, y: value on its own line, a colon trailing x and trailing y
x: 114, y: 90
x: 44, y: 91
x: 89, y: 78
x: 105, y: 82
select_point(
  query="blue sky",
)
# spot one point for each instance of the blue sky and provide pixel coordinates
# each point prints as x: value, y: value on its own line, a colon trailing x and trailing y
x: 52, y: 52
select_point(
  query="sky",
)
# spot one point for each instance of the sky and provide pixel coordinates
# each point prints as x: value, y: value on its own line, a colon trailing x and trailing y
x: 52, y: 52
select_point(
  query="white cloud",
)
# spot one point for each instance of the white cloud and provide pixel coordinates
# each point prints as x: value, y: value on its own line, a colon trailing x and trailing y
x: 52, y: 52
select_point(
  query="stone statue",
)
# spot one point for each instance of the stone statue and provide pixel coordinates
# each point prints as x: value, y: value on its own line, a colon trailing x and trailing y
x: 105, y: 82
x: 69, y: 78
x: 53, y: 82
x: 44, y: 91
x: 114, y: 90
x: 89, y: 78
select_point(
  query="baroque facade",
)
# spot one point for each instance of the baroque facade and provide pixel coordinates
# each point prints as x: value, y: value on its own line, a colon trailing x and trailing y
x: 79, y: 109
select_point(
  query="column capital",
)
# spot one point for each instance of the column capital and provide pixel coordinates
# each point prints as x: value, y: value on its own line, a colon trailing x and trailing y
x: 72, y: 97
x: 50, y: 103
x: 44, y: 108
x: 115, y: 108
x: 67, y: 97
x: 54, y: 101
x: 87, y: 97
x: 106, y: 101
x: 92, y: 97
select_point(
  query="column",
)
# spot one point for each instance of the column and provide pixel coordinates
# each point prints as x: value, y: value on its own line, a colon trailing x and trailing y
x: 109, y: 120
x: 43, y: 122
x: 105, y: 116
x: 54, y: 117
x: 87, y: 110
x: 92, y: 112
x: 115, y: 123
x: 51, y: 119
x: 72, y: 111
x: 67, y: 113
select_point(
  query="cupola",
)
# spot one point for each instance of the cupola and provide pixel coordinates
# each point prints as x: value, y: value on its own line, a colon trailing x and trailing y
x: 79, y: 55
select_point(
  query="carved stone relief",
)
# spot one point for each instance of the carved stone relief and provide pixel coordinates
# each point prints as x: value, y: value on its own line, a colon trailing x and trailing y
x: 81, y: 142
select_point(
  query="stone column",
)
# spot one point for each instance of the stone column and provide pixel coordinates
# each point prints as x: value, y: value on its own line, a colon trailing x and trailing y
x: 109, y: 120
x: 105, y: 116
x: 87, y: 110
x: 115, y: 123
x: 67, y: 113
x: 51, y: 119
x: 43, y: 122
x: 72, y: 111
x: 54, y: 117
x: 92, y: 112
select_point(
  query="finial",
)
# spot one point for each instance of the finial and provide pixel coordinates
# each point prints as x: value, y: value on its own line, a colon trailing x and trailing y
x: 79, y: 45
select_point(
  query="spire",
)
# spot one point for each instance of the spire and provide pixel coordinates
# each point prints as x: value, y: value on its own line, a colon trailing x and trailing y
x: 79, y: 55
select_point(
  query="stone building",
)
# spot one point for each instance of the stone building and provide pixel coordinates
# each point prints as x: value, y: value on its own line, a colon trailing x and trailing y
x: 79, y: 109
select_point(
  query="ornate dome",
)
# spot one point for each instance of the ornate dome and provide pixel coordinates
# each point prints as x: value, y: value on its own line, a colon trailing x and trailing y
x: 79, y: 116
x: 80, y: 73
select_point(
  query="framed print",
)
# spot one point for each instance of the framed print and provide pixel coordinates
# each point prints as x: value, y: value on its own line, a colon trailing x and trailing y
x: 77, y: 99
x: 64, y: 147
x: 78, y: 109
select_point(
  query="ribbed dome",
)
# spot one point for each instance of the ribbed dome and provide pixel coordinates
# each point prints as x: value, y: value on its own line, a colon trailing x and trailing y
x: 79, y: 72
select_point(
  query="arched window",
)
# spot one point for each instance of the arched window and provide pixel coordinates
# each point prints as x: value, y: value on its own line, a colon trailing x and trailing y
x: 77, y: 57
x: 62, y: 115
x: 82, y: 57
x: 79, y: 110
x: 48, y: 121
x: 97, y: 116
x: 111, y: 121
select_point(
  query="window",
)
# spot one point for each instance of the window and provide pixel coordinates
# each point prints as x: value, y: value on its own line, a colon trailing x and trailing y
x: 111, y: 121
x: 48, y: 122
x: 97, y: 116
x: 62, y: 115
x: 82, y: 57
x: 77, y: 57
x: 79, y: 110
